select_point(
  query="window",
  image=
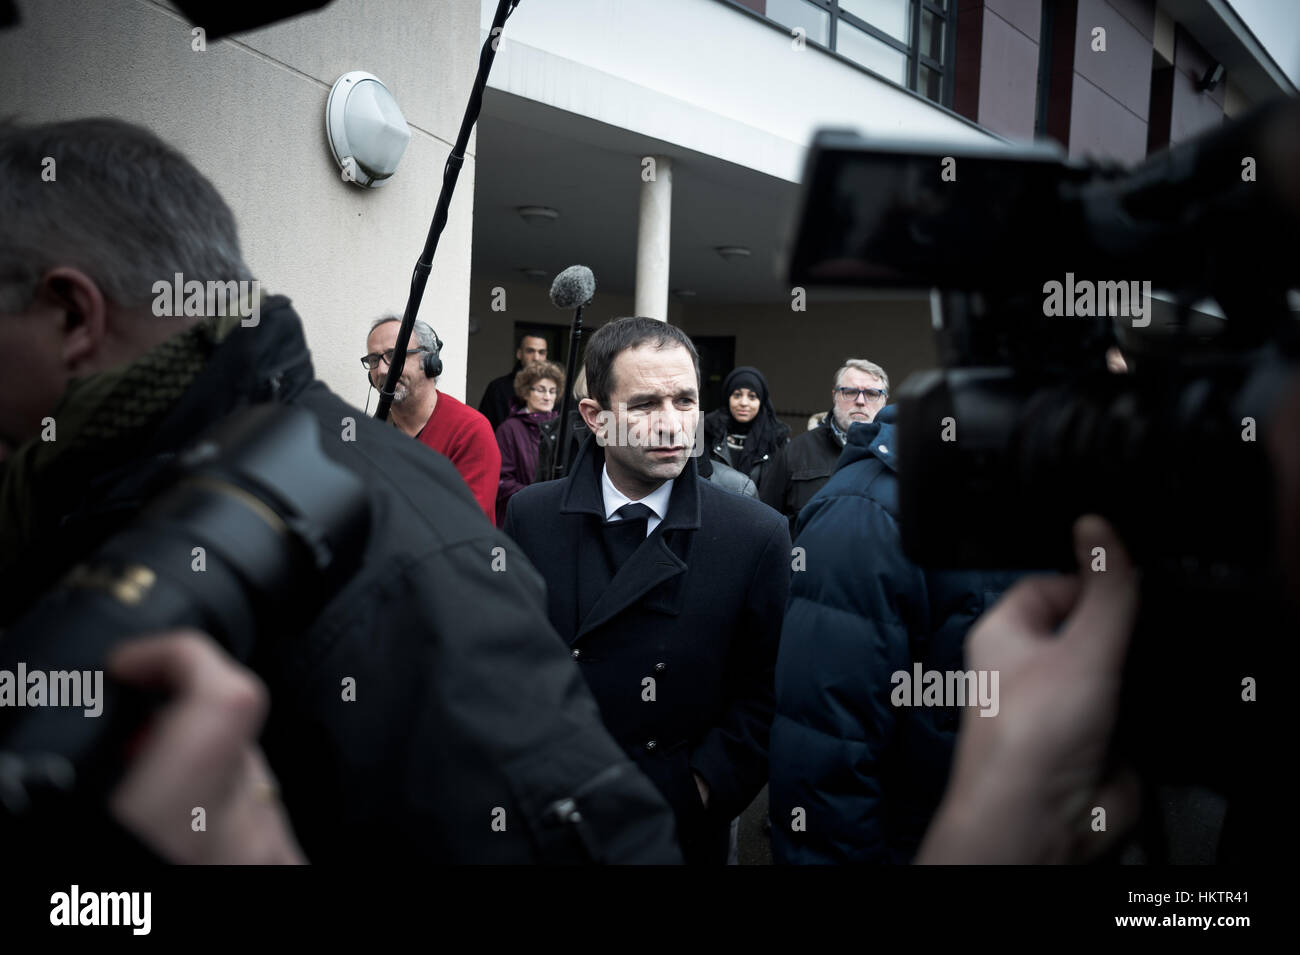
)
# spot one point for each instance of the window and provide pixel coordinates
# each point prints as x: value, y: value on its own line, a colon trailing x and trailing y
x: 815, y: 20
x: 861, y: 47
x: 910, y: 42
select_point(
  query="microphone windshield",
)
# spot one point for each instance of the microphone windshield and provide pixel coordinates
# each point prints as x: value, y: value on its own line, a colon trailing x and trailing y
x: 573, y: 287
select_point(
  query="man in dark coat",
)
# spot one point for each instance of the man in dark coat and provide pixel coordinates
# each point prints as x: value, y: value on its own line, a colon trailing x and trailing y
x: 802, y: 468
x: 854, y: 777
x: 428, y: 714
x: 499, y: 398
x: 668, y: 589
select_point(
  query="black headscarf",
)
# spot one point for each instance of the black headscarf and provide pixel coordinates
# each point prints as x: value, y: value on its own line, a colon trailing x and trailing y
x: 766, y: 434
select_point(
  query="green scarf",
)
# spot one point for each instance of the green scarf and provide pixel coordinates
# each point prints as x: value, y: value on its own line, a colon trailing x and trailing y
x: 100, y: 422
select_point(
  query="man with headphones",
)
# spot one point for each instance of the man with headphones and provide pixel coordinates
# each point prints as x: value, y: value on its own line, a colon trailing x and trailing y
x: 436, y: 419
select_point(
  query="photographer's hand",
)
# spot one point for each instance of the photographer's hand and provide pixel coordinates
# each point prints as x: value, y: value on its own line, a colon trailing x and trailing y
x: 200, y: 752
x: 1025, y: 781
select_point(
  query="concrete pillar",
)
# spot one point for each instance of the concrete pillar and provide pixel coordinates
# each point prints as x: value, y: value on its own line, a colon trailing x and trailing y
x: 654, y: 228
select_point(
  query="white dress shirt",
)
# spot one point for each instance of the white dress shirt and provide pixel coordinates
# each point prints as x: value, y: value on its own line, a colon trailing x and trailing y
x: 656, y: 500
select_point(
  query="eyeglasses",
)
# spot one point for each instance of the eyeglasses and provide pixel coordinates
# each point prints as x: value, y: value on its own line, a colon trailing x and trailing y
x: 539, y: 390
x: 372, y: 360
x: 851, y: 394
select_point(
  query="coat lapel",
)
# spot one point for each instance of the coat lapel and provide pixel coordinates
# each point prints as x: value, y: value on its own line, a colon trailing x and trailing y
x: 593, y: 572
x: 651, y: 566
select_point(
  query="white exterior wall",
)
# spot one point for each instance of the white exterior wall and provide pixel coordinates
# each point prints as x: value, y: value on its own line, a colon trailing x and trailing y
x: 249, y: 113
x: 701, y: 75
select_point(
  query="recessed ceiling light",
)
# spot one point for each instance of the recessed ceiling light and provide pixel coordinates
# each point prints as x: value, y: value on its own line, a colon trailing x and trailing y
x: 730, y: 252
x: 537, y: 215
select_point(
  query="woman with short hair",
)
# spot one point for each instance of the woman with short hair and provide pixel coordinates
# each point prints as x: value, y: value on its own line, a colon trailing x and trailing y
x: 537, y: 386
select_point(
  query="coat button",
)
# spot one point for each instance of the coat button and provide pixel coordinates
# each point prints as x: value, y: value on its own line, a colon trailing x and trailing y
x: 660, y: 667
x: 576, y: 654
x: 651, y: 745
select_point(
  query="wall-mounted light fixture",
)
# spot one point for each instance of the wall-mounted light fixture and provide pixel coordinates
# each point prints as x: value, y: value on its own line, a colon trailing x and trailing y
x: 366, y: 130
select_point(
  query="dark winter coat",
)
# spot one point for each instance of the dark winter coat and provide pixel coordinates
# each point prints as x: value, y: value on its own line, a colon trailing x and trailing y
x: 800, y: 470
x: 465, y: 700
x: 499, y: 398
x: 696, y: 609
x: 518, y: 438
x: 549, y: 441
x: 868, y: 774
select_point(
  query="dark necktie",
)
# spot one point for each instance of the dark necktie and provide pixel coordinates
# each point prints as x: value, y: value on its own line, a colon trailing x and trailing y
x: 623, y: 537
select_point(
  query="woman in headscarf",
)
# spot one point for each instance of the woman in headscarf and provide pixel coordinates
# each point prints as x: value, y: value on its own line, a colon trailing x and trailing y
x: 747, y: 433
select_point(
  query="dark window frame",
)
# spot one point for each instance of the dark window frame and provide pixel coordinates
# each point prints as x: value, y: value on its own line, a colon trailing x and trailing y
x: 912, y: 51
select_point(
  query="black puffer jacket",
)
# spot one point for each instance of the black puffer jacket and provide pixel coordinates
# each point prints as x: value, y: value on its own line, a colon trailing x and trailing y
x: 868, y: 774
x: 468, y: 707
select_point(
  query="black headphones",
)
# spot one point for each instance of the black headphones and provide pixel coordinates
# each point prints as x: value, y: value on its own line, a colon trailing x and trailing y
x: 432, y: 363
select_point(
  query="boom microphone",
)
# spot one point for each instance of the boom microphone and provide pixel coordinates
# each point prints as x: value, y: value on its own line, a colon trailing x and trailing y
x: 573, y: 288
x: 450, y: 174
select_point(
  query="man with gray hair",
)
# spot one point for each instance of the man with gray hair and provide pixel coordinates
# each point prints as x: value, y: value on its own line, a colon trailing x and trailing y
x: 859, y: 390
x: 434, y: 418
x: 863, y: 770
x: 429, y: 697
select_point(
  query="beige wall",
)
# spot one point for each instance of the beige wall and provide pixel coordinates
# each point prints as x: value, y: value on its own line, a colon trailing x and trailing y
x: 249, y: 112
x: 797, y: 351
x: 492, y: 347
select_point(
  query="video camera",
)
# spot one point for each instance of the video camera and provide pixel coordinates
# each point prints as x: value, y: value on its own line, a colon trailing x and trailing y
x: 1038, y: 266
x: 255, y: 533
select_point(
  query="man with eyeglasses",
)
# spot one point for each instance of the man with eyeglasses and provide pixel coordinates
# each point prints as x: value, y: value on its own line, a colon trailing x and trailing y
x: 866, y: 771
x: 434, y: 418
x: 859, y: 390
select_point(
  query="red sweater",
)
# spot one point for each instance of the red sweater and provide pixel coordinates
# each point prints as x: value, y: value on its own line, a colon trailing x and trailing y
x: 461, y: 434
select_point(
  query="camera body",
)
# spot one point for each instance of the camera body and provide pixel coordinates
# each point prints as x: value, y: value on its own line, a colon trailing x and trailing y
x: 1039, y: 269
x: 256, y: 531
